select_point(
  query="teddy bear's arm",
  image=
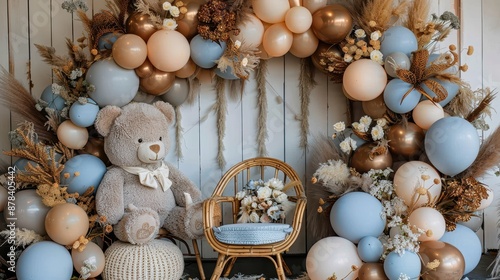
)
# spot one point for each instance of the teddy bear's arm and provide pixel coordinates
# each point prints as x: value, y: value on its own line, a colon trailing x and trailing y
x: 109, y: 196
x: 181, y: 184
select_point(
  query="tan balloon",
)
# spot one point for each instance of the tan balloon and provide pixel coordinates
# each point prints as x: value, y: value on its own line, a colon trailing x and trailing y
x: 363, y: 162
x: 92, y: 254
x: 313, y: 5
x: 375, y: 108
x: 271, y: 11
x: 372, y: 271
x: 158, y: 83
x: 304, y: 44
x: 145, y: 70
x: 406, y: 141
x: 332, y: 23
x: 130, y: 51
x: 187, y: 70
x: 66, y: 222
x: 298, y: 19
x: 277, y: 40
x: 71, y: 135
x: 426, y: 113
x: 251, y: 31
x: 140, y: 24
x: 168, y: 50
x: 187, y: 24
x: 451, y: 261
x: 324, y: 48
x: 205, y: 76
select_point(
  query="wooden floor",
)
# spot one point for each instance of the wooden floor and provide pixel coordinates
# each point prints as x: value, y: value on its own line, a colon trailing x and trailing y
x: 297, y: 265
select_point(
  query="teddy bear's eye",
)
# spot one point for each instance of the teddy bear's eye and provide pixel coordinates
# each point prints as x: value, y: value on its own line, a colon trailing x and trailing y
x: 161, y: 138
x: 140, y: 140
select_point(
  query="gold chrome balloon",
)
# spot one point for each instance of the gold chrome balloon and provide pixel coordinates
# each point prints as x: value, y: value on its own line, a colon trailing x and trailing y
x: 332, y: 23
x: 363, y: 159
x: 406, y: 141
x: 451, y: 261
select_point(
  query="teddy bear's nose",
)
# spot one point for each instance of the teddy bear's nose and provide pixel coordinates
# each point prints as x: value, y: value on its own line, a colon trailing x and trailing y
x: 155, y: 148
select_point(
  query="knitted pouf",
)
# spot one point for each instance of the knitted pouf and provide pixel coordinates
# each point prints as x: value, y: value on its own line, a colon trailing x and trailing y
x: 158, y: 259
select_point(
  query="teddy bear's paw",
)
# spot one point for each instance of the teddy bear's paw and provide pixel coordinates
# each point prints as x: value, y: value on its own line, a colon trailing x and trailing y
x: 142, y: 226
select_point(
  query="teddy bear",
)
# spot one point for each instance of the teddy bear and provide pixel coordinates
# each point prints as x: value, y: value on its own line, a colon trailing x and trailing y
x: 140, y: 192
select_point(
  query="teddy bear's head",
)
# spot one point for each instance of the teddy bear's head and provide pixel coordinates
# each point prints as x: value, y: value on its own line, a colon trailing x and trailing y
x: 135, y: 135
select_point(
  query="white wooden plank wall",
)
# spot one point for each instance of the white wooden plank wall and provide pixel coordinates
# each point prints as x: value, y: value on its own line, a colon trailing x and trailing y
x: 24, y: 23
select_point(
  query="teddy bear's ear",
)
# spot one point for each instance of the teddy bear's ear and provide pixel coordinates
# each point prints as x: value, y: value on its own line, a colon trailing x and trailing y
x: 106, y: 118
x: 166, y: 109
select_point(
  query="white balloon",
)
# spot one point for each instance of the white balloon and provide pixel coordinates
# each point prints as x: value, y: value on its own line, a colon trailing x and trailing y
x: 415, y: 176
x: 430, y: 220
x: 426, y: 113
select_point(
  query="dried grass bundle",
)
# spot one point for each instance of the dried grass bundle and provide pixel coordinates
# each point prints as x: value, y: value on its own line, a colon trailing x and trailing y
x: 373, y: 15
x: 418, y: 14
x: 101, y: 23
x: 487, y: 158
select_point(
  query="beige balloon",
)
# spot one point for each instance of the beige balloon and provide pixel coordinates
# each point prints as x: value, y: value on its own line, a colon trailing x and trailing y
x: 92, y: 254
x: 426, y: 113
x: 364, y: 79
x: 304, y: 44
x: 251, y: 31
x: 71, y: 135
x: 430, y: 220
x: 313, y: 5
x: 66, y: 222
x: 271, y: 11
x: 130, y: 51
x: 168, y: 50
x: 298, y: 19
x: 415, y: 177
x: 277, y: 40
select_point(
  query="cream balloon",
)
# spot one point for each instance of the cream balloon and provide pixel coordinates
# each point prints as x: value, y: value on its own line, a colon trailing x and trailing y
x: 364, y: 79
x: 304, y: 44
x: 251, y: 31
x: 415, y: 182
x: 277, y: 40
x: 271, y: 11
x: 130, y: 51
x: 71, y: 135
x: 430, y: 220
x: 168, y: 50
x: 93, y: 255
x: 426, y: 113
x: 298, y: 19
x: 314, y: 5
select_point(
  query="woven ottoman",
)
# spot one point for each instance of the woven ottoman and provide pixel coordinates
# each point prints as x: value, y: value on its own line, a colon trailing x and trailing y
x: 157, y: 259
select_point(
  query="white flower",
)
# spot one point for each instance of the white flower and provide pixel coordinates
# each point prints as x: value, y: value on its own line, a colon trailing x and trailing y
x: 360, y: 33
x: 375, y: 35
x: 275, y: 183
x: 166, y: 6
x: 281, y: 198
x: 254, y: 217
x: 56, y: 89
x: 382, y: 122
x: 265, y: 218
x: 365, y: 120
x: 237, y: 44
x: 353, y: 143
x: 348, y: 58
x: 345, y: 145
x: 403, y: 276
x: 170, y: 24
x: 274, y: 212
x: 377, y: 56
x: 246, y: 201
x: 174, y: 11
x: 240, y: 195
x: 339, y: 127
x: 264, y: 192
x: 377, y: 132
x: 244, y: 62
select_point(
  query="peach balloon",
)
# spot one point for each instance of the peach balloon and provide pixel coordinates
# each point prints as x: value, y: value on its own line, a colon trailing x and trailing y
x: 430, y: 220
x: 140, y: 24
x: 92, y: 254
x: 187, y: 70
x: 304, y: 44
x: 364, y: 79
x: 415, y: 182
x: 71, y: 135
x: 426, y: 113
x: 66, y: 222
x: 251, y: 31
x: 277, y: 40
x: 271, y: 11
x: 145, y: 70
x: 313, y: 5
x: 168, y: 50
x: 130, y: 51
x: 158, y: 83
x: 298, y: 19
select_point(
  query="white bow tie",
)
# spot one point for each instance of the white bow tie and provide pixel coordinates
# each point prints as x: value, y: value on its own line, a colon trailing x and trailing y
x: 151, y: 178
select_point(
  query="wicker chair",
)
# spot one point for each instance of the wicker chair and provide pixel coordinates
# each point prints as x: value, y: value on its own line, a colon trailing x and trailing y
x: 223, y: 199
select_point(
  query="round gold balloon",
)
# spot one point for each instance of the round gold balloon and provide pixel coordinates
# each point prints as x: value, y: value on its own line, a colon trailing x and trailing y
x: 332, y: 23
x: 187, y: 24
x: 139, y: 24
x: 375, y: 108
x: 95, y: 147
x: 295, y: 3
x: 145, y: 70
x: 451, y: 261
x: 406, y: 141
x: 372, y: 271
x: 324, y: 48
x: 158, y: 83
x: 363, y: 160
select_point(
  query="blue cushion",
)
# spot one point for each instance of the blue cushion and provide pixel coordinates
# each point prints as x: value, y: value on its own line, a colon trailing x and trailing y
x: 252, y: 233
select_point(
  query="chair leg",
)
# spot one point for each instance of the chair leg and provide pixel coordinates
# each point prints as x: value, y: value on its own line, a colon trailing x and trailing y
x: 198, y: 259
x: 229, y: 267
x: 279, y: 267
x: 219, y: 266
x: 285, y: 266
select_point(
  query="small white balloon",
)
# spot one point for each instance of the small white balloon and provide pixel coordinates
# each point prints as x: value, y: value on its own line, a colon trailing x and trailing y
x: 426, y: 113
x: 298, y: 19
x: 72, y: 136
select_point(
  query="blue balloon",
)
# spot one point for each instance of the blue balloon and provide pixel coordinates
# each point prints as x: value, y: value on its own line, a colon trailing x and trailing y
x: 55, y: 101
x: 84, y: 115
x: 407, y: 264
x: 204, y: 52
x: 393, y: 94
x: 467, y: 242
x: 398, y: 39
x: 90, y: 170
x: 452, y: 145
x: 107, y: 40
x: 228, y: 74
x: 44, y: 260
x: 451, y: 88
x: 113, y: 84
x: 21, y: 164
x: 356, y: 215
x: 370, y: 249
